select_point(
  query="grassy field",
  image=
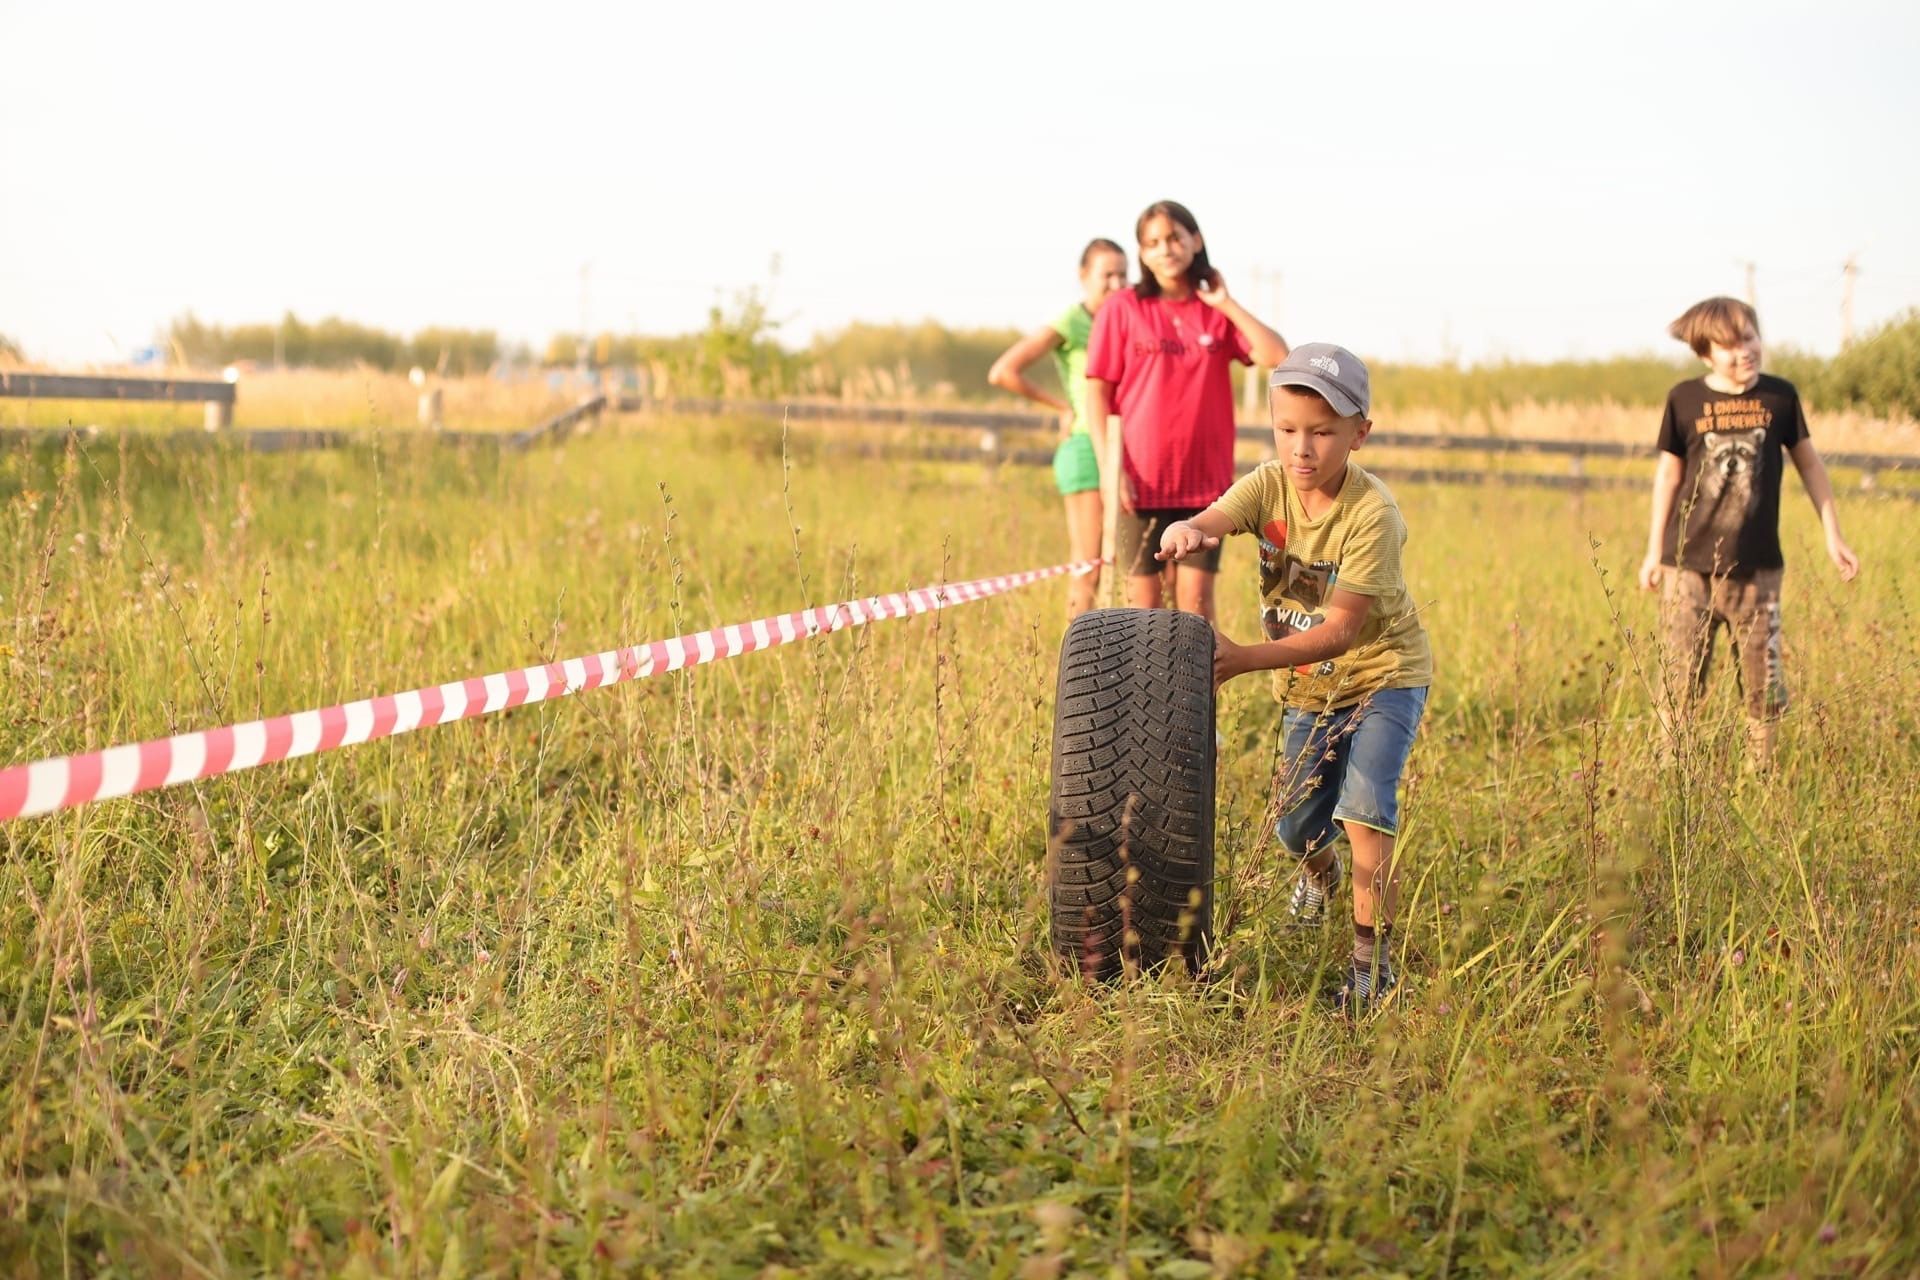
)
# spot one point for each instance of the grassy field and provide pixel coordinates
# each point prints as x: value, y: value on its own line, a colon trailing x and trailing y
x: 744, y: 972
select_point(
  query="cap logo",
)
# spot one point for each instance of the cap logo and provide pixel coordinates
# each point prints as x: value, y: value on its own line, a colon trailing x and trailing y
x: 1326, y: 364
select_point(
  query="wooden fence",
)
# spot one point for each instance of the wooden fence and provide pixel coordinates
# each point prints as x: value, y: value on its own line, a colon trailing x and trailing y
x: 219, y: 398
x: 992, y: 422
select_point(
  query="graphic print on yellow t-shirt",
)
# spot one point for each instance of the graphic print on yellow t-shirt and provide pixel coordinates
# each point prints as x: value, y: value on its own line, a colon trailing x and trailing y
x: 1298, y: 591
x: 1354, y: 546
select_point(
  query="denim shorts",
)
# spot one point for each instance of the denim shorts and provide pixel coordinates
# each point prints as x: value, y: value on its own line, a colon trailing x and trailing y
x: 1344, y: 765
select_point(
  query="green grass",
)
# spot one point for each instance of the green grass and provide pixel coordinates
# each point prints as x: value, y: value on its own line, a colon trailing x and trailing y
x: 744, y: 972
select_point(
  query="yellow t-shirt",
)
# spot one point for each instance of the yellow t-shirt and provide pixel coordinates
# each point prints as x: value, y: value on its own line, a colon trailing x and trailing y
x: 1356, y: 545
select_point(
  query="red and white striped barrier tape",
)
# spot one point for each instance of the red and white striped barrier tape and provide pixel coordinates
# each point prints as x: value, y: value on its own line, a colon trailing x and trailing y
x: 65, y: 782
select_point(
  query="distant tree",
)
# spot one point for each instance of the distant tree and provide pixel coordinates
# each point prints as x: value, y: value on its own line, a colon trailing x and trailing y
x: 1881, y: 372
x: 10, y: 350
x: 928, y: 355
x: 196, y: 343
x: 736, y: 354
x: 738, y: 349
x: 334, y: 343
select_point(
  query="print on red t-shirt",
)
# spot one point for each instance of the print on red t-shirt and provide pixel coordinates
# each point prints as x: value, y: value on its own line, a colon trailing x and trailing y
x: 1171, y: 364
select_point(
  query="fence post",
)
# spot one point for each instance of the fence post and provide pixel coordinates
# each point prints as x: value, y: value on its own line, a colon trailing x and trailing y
x: 430, y: 408
x: 1110, y: 509
x: 219, y: 415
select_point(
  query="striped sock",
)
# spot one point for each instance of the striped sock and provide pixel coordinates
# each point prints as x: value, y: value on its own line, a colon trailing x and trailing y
x: 1370, y: 943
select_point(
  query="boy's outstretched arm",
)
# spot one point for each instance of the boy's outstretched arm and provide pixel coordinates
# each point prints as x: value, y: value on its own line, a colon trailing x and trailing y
x: 1184, y: 538
x: 1667, y: 474
x: 1345, y: 610
x: 1341, y: 620
x: 1813, y: 476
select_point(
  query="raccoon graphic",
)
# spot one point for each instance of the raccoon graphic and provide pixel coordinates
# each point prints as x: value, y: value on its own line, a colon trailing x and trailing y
x: 1727, y: 472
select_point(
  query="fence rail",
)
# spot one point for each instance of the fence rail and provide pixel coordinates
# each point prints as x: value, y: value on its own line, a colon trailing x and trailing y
x: 254, y: 439
x: 989, y: 449
x: 302, y: 439
x: 1406, y: 475
x: 1871, y: 465
x: 562, y: 424
x: 218, y: 396
x: 70, y: 386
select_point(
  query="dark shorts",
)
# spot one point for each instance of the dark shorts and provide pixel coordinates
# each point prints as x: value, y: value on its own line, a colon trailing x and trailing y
x: 1693, y: 608
x: 1137, y: 539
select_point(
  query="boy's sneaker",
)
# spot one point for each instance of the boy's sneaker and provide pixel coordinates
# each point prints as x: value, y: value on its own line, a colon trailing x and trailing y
x: 1365, y: 986
x: 1311, y: 893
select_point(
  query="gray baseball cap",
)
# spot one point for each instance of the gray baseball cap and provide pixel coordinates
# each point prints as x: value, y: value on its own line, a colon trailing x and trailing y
x: 1334, y: 372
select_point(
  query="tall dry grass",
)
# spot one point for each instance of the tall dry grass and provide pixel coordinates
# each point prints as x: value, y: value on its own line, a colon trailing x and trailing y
x: 743, y: 971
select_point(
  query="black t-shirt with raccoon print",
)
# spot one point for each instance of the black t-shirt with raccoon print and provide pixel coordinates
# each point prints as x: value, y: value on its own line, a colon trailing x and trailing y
x: 1726, y: 516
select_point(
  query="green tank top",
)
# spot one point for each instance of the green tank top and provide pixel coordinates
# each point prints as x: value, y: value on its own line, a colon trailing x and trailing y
x: 1074, y: 326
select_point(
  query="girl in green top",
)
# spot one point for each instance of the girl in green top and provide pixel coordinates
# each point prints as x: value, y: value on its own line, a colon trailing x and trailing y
x: 1103, y: 271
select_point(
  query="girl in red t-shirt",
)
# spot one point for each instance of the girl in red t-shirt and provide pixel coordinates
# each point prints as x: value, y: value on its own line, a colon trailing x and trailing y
x: 1161, y: 356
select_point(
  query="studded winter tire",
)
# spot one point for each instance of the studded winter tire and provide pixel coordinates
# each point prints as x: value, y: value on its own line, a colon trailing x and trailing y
x: 1130, y: 858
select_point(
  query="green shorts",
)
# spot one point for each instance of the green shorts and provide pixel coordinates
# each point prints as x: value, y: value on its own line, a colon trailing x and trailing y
x: 1075, y: 469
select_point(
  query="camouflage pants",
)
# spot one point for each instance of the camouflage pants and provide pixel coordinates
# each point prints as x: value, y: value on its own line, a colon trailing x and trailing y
x: 1693, y: 608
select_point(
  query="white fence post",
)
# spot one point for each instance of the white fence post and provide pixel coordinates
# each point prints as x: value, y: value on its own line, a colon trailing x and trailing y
x: 1110, y: 509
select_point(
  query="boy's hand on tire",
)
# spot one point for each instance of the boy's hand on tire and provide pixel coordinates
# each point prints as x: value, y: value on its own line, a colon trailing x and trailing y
x: 1229, y: 659
x: 1181, y: 540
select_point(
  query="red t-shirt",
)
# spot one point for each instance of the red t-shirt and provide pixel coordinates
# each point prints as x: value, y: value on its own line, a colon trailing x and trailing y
x: 1171, y: 366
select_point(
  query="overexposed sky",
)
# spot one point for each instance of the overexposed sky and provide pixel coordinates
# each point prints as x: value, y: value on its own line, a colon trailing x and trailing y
x: 1486, y: 180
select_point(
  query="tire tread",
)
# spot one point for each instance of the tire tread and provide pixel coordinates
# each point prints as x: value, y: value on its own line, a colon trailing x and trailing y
x: 1130, y: 880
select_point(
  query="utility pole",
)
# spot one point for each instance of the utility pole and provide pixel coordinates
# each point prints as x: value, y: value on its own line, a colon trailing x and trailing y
x: 1753, y: 296
x: 1849, y: 272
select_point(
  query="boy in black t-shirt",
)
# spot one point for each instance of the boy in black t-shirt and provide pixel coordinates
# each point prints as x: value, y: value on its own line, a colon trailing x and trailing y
x: 1713, y: 545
